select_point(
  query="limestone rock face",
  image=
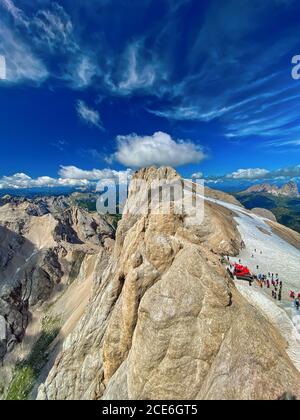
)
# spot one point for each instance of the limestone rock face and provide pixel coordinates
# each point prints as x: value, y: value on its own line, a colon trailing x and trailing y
x: 165, y: 321
x: 43, y: 244
x: 290, y: 189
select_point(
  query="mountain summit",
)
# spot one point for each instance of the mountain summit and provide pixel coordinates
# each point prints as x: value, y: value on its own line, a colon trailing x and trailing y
x: 167, y: 322
x: 290, y: 189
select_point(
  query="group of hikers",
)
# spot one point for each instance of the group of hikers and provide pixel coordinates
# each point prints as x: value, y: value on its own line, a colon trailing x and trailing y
x: 269, y: 281
x: 296, y: 299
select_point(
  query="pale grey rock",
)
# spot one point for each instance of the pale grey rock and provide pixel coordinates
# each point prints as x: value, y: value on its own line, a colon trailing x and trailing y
x: 165, y: 321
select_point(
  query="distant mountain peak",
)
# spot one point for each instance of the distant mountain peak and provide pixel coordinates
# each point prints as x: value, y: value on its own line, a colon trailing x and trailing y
x: 290, y: 189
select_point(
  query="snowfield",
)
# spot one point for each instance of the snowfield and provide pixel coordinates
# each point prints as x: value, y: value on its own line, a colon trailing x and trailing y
x: 271, y: 254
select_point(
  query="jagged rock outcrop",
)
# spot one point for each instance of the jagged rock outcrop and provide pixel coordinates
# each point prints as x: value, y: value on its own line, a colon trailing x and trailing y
x: 165, y: 321
x: 43, y: 244
x: 290, y: 189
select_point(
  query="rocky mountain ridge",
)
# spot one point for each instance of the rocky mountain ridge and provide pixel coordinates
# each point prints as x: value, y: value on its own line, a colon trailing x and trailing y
x: 166, y: 322
x: 290, y: 189
x: 44, y: 244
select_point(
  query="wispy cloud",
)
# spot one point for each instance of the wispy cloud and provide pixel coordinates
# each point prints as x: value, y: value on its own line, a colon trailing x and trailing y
x: 21, y: 62
x: 52, y: 27
x: 89, y: 115
x: 15, y: 12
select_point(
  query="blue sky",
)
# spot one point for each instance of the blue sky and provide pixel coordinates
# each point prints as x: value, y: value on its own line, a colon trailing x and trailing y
x: 99, y: 88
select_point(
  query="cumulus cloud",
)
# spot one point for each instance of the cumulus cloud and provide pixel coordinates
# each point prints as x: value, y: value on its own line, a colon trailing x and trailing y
x: 289, y: 172
x: 72, y: 172
x: 197, y: 175
x: 259, y: 174
x: 21, y: 180
x: 69, y: 176
x: 89, y: 115
x: 251, y: 173
x: 159, y: 149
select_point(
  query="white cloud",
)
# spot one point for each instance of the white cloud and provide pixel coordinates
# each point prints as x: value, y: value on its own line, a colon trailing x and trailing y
x: 21, y: 180
x: 15, y: 12
x: 2, y: 67
x: 21, y: 62
x: 159, y: 149
x: 72, y: 172
x: 137, y: 69
x: 84, y: 72
x: 289, y: 172
x: 53, y: 27
x: 135, y: 75
x: 89, y: 115
x: 69, y: 176
x: 49, y: 30
x: 197, y: 175
x: 251, y: 173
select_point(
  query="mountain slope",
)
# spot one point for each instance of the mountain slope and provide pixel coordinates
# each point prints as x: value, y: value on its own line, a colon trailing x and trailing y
x: 165, y: 321
x: 285, y: 209
x: 47, y: 253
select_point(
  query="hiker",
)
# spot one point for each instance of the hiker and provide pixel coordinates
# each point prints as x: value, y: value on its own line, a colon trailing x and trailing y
x: 297, y: 304
x: 268, y: 284
x: 279, y: 297
x: 292, y: 294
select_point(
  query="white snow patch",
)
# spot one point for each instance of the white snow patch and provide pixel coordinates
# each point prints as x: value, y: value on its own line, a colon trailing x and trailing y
x: 271, y: 254
x: 278, y: 317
